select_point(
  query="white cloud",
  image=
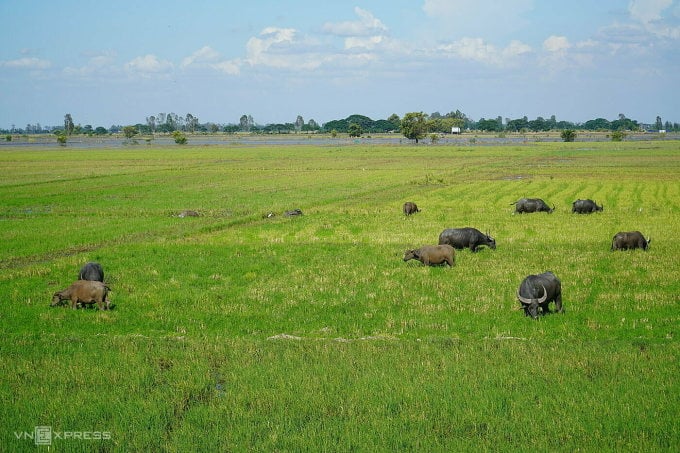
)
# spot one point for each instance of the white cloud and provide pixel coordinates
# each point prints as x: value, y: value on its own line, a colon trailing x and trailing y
x: 30, y: 63
x: 477, y: 49
x: 202, y: 55
x: 98, y: 64
x: 654, y: 18
x: 148, y: 66
x: 556, y: 44
x: 367, y: 25
x: 647, y: 11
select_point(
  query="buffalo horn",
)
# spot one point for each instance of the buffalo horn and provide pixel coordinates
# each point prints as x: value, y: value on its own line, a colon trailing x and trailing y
x: 526, y: 301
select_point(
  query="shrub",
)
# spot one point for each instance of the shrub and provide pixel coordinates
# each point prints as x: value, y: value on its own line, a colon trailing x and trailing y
x: 568, y: 135
x: 618, y: 136
x: 179, y: 137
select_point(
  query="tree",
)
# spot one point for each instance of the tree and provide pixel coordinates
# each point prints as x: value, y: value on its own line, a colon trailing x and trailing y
x: 414, y: 125
x: 659, y: 124
x: 568, y: 135
x: 299, y: 122
x: 395, y: 121
x: 68, y: 124
x: 151, y: 122
x: 246, y: 123
x: 355, y: 130
x: 191, y: 123
x: 130, y: 131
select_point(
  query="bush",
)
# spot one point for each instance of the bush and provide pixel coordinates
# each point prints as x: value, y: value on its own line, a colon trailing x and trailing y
x: 61, y: 139
x: 179, y: 137
x: 618, y: 136
x: 568, y: 135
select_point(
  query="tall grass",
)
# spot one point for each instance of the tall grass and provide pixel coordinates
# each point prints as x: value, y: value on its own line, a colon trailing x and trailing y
x: 235, y: 332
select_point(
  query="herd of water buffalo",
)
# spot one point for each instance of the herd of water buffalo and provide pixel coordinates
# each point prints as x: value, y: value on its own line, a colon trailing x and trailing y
x: 535, y: 292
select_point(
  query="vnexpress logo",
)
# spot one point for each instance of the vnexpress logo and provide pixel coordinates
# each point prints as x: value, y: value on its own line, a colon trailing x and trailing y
x: 43, y: 435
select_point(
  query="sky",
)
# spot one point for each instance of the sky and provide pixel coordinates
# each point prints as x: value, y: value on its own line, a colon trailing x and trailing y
x: 119, y: 62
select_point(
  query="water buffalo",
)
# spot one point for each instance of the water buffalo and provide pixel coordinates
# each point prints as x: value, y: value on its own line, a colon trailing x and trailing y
x: 84, y: 292
x: 410, y: 208
x: 459, y: 238
x: 529, y: 205
x: 585, y: 207
x: 537, y: 291
x: 293, y: 213
x: 91, y: 271
x: 430, y: 255
x: 630, y: 240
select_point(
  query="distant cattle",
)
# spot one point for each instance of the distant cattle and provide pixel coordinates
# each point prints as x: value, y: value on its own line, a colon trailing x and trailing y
x: 410, y: 208
x: 460, y: 238
x: 431, y: 255
x: 91, y: 271
x: 626, y: 240
x: 188, y: 213
x: 84, y: 292
x: 293, y: 213
x: 537, y: 291
x: 529, y: 205
x: 585, y: 207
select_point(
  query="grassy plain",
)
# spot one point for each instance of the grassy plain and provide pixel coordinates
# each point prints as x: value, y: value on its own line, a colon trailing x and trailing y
x: 234, y: 332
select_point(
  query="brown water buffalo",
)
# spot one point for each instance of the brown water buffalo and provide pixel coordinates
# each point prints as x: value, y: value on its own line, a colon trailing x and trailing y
x: 431, y: 255
x: 84, y: 292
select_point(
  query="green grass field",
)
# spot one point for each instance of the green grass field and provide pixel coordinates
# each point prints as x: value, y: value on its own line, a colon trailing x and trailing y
x: 234, y: 332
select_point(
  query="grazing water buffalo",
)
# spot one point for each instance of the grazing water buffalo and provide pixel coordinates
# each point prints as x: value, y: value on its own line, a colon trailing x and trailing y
x: 293, y: 213
x: 585, y: 207
x: 410, y: 208
x: 84, y: 292
x: 459, y: 238
x: 529, y: 205
x: 188, y: 213
x: 537, y: 291
x: 430, y: 255
x: 91, y: 271
x: 630, y: 240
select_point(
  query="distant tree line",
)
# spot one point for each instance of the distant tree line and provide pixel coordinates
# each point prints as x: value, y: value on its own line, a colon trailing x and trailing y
x: 355, y: 125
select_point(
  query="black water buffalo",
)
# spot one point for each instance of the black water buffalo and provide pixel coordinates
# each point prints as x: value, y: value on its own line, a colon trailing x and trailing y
x: 585, y: 207
x: 410, y: 208
x: 529, y: 205
x: 625, y: 240
x: 293, y: 213
x: 91, y: 271
x: 431, y: 255
x: 537, y: 291
x: 459, y: 238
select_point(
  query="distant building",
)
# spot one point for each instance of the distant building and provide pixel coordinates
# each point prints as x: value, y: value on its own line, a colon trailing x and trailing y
x: 455, y: 130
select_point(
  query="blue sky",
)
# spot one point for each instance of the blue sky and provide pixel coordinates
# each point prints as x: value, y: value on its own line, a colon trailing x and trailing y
x: 118, y: 62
